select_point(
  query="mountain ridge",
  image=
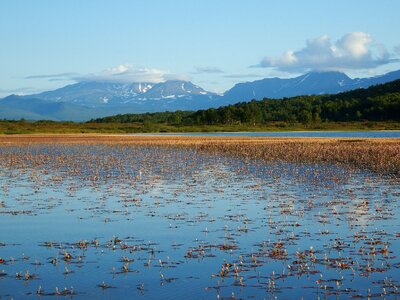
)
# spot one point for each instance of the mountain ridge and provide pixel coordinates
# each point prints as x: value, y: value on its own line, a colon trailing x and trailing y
x: 92, y: 99
x: 97, y: 93
x: 312, y: 83
x: 379, y: 103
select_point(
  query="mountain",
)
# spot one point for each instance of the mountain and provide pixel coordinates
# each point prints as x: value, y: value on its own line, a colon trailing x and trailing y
x: 367, y: 82
x: 93, y: 99
x: 100, y: 93
x: 376, y: 103
x: 175, y: 89
x: 95, y: 93
x: 313, y: 83
x: 17, y: 107
x: 86, y: 100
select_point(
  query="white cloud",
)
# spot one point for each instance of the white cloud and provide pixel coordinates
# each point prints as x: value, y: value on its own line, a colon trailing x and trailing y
x: 129, y: 73
x: 353, y: 51
x: 121, y: 69
x: 354, y: 44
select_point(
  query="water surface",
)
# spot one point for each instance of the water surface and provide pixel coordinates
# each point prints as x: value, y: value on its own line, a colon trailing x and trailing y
x: 113, y: 222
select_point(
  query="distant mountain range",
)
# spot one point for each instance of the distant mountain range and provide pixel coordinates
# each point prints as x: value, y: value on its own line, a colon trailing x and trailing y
x: 314, y: 83
x: 91, y: 99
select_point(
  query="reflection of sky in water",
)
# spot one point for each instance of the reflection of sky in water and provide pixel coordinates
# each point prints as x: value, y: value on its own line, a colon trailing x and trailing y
x: 186, y: 202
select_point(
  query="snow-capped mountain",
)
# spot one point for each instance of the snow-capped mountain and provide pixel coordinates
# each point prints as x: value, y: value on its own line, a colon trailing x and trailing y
x: 86, y: 100
x: 95, y: 93
x: 175, y: 89
x: 99, y: 93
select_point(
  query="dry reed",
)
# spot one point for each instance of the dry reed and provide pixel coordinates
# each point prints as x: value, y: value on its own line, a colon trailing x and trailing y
x: 378, y: 155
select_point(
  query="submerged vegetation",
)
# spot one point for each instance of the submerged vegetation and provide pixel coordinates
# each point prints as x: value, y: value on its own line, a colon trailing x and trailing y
x: 380, y: 155
x: 226, y: 218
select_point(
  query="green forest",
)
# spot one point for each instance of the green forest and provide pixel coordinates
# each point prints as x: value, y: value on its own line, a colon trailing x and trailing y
x: 374, y: 108
x: 377, y: 103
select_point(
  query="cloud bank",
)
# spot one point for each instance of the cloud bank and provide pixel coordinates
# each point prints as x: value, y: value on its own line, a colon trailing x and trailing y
x: 129, y: 73
x: 353, y: 51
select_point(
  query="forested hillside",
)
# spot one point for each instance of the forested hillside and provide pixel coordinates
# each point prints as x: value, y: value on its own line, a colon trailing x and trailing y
x: 377, y: 103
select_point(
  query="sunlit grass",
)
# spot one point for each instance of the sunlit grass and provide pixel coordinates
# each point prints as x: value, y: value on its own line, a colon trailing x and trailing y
x: 25, y: 127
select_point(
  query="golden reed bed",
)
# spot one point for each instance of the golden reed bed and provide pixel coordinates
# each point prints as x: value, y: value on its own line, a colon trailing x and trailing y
x: 379, y: 155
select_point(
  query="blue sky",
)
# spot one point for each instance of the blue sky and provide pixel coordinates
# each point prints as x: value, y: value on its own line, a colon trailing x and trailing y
x: 45, y: 44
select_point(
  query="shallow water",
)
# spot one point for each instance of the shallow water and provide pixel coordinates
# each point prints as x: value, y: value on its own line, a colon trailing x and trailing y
x: 153, y: 222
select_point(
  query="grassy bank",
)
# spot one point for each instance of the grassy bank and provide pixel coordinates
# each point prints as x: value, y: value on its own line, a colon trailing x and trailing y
x: 41, y: 127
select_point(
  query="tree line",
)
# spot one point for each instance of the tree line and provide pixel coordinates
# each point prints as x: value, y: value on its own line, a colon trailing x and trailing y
x: 376, y: 103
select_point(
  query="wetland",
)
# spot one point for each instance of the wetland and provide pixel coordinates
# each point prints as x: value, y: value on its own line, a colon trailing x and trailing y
x: 177, y: 217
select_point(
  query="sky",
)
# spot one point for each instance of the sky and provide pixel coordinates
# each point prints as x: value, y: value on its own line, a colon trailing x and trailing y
x: 47, y: 44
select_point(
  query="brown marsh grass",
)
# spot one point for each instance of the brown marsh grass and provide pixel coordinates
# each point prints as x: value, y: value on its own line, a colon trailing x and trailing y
x: 378, y: 155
